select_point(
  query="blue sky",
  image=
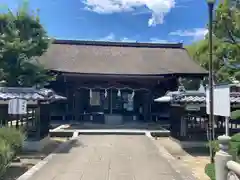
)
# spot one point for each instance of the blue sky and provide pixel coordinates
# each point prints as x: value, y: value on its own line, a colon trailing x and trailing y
x: 122, y: 20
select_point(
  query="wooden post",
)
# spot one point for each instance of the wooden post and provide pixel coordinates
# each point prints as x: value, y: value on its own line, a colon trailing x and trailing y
x: 44, y: 121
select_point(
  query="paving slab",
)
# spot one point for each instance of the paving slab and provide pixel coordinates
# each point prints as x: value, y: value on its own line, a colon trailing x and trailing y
x: 109, y: 157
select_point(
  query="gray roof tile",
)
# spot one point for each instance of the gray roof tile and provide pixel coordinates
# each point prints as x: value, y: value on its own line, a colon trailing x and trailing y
x: 197, y: 97
x: 7, y: 93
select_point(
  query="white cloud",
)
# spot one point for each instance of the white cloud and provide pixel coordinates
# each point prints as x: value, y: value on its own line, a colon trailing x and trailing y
x: 157, y: 40
x: 112, y: 37
x: 196, y: 34
x: 158, y: 8
x: 125, y: 39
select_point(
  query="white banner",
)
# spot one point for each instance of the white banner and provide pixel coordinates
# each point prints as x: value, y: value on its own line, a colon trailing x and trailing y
x: 221, y: 101
x: 17, y: 106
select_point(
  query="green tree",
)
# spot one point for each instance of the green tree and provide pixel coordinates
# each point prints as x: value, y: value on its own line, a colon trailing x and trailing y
x: 227, y: 22
x: 22, y: 41
x: 226, y: 44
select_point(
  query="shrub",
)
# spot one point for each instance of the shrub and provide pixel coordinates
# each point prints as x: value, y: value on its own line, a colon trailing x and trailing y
x: 6, y: 155
x: 235, y: 115
x: 234, y: 150
x: 215, y: 146
x: 236, y: 137
x: 210, y: 171
x: 234, y: 146
x: 13, y: 137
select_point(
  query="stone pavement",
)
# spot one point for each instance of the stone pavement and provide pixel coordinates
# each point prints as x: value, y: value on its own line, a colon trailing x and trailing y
x: 109, y: 157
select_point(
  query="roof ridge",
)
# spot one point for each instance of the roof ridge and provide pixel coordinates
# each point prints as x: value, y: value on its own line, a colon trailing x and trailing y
x: 118, y: 44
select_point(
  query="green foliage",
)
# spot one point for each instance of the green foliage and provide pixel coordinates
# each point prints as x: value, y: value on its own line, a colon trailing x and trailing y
x: 234, y: 150
x: 22, y: 41
x: 189, y: 83
x: 234, y: 146
x: 13, y: 137
x: 210, y: 171
x: 11, y: 141
x: 226, y: 44
x: 235, y: 115
x: 215, y: 146
x: 235, y: 138
x: 6, y: 155
x: 227, y: 21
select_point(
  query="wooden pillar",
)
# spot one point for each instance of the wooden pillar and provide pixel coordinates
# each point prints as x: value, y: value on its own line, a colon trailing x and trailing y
x: 4, y: 115
x: 176, y: 113
x: 44, y: 120
x: 76, y: 105
x: 34, y: 132
x: 147, y: 106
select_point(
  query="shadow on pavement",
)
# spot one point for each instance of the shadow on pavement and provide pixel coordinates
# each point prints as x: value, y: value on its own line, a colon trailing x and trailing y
x: 14, y: 171
x: 197, y: 151
x: 73, y: 143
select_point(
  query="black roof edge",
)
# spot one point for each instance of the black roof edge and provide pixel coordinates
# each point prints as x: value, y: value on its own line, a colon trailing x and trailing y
x: 194, y: 75
x: 119, y: 44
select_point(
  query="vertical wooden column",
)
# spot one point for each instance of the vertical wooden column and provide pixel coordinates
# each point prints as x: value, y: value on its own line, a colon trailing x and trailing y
x: 76, y: 104
x: 176, y: 113
x: 147, y: 106
x: 80, y: 104
x: 44, y: 120
x: 37, y: 122
x: 4, y: 115
x: 66, y: 89
x: 173, y: 84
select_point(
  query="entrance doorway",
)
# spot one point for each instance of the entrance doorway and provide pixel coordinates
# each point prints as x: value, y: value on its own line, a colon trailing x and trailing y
x: 98, y: 105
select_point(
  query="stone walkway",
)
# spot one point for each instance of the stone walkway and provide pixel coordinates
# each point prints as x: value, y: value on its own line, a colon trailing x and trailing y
x: 109, y: 157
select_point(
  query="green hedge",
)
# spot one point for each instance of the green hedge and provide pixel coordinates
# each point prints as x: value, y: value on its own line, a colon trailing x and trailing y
x: 13, y: 137
x: 11, y: 141
x: 6, y: 155
x: 235, y: 115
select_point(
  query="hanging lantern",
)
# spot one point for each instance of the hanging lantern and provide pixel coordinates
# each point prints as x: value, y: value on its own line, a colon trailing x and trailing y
x: 105, y: 94
x: 119, y: 93
x: 133, y: 94
x: 90, y: 93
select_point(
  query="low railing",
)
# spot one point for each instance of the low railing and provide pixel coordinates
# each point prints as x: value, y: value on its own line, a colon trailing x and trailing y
x: 233, y: 170
x: 225, y: 167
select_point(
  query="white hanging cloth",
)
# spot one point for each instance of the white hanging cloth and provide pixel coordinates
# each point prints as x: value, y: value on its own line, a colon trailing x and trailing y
x: 201, y: 88
x: 119, y: 93
x: 90, y: 93
x: 133, y: 94
x: 105, y: 94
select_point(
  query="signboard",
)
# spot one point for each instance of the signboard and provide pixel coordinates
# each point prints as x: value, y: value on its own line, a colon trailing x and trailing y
x: 221, y: 101
x: 192, y: 107
x: 17, y: 106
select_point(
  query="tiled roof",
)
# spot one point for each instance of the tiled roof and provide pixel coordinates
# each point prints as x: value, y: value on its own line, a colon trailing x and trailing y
x: 119, y: 58
x: 197, y: 97
x: 201, y: 98
x: 7, y: 93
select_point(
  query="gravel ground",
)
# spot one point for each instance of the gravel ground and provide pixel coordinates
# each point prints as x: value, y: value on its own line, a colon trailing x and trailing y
x: 195, y: 161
